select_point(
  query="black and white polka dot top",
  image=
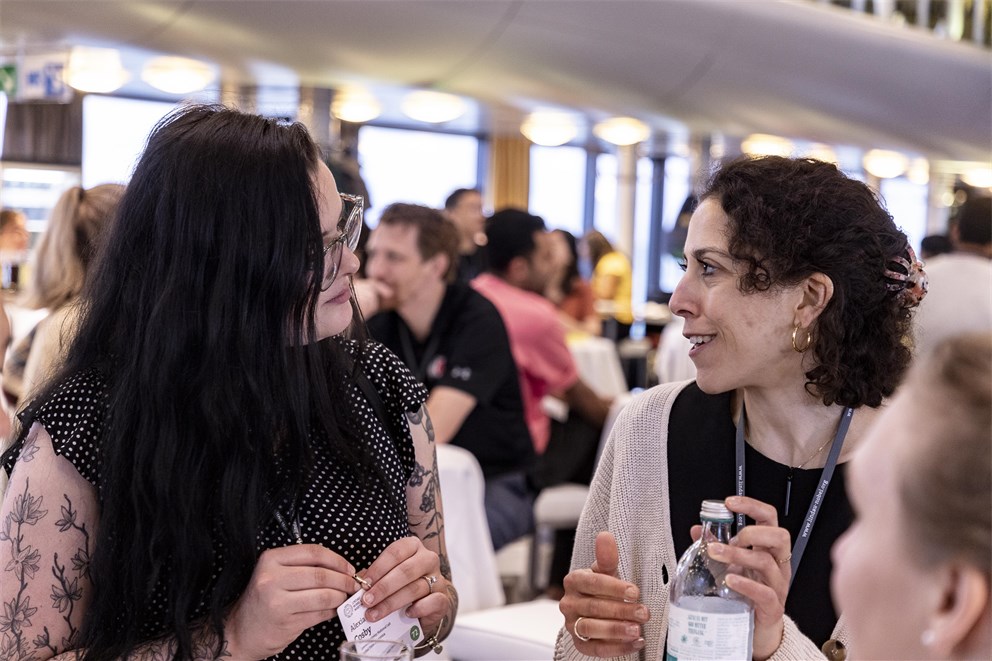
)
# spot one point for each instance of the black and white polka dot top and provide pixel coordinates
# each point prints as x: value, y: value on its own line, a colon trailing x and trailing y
x: 336, y: 512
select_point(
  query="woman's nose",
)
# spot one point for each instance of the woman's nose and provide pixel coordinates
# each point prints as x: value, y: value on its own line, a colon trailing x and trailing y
x: 680, y: 303
x: 349, y: 262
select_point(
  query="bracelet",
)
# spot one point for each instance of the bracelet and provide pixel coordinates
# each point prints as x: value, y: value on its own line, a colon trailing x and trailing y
x: 433, y: 643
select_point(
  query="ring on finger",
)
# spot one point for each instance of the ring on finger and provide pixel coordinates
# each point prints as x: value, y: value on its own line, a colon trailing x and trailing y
x: 575, y: 630
x: 785, y: 559
x: 431, y: 580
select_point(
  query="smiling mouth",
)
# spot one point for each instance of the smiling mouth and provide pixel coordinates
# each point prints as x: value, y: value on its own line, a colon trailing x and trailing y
x: 698, y: 340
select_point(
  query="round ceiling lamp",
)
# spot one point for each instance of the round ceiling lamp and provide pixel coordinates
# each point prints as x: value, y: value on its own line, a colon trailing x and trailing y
x: 978, y: 176
x: 432, y: 107
x: 97, y: 70
x: 354, y: 104
x: 885, y: 164
x: 622, y: 131
x: 822, y: 152
x: 549, y: 128
x: 763, y: 144
x: 919, y: 172
x: 177, y: 75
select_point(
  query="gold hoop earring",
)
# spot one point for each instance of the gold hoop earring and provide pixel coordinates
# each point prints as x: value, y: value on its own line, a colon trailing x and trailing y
x: 809, y: 340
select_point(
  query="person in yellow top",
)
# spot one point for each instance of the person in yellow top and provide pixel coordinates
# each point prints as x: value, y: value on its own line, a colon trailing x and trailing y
x: 611, y: 279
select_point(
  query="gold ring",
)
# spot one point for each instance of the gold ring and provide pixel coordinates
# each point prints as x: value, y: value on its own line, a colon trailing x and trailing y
x: 431, y: 580
x: 575, y: 630
x: 785, y: 559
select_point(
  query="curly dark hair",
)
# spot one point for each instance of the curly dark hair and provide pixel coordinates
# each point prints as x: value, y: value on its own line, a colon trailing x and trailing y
x: 790, y: 218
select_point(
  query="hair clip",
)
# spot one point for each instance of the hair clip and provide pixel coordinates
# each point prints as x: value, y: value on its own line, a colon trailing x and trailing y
x: 909, y: 282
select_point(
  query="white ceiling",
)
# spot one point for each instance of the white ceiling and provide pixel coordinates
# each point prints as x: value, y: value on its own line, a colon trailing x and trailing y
x: 794, y: 68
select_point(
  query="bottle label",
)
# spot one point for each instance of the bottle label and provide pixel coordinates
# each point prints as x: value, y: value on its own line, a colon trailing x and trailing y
x: 696, y: 634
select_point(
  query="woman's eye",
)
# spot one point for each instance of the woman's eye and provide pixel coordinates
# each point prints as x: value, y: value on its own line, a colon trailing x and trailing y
x: 683, y: 264
x: 707, y: 269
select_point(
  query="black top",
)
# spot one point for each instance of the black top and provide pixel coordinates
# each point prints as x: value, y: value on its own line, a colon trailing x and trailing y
x: 337, y: 511
x: 468, y: 349
x: 472, y: 264
x: 701, y: 440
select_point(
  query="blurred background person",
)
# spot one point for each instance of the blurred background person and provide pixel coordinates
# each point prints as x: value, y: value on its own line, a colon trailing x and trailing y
x: 453, y: 340
x: 58, y: 272
x: 14, y: 235
x: 611, y: 282
x: 464, y: 208
x: 960, y: 282
x: 912, y: 574
x: 935, y: 244
x: 520, y: 266
x: 568, y: 290
x: 14, y: 243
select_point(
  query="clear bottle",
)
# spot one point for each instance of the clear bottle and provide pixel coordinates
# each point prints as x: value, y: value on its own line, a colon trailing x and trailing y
x: 706, y: 619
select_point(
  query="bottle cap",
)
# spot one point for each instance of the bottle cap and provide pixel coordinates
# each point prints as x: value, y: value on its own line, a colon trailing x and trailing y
x: 715, y: 510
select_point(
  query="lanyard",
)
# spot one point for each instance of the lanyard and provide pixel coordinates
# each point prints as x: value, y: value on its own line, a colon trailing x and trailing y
x: 821, y: 491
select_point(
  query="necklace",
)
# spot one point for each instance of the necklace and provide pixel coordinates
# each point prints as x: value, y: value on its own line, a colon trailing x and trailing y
x: 791, y: 473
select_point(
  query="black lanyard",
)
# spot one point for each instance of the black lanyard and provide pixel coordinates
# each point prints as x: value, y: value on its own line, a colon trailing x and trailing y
x: 821, y: 491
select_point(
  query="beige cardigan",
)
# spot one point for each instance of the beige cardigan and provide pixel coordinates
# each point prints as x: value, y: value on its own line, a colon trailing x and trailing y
x: 629, y: 497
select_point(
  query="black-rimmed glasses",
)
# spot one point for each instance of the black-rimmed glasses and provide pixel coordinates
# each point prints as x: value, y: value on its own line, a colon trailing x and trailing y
x: 350, y: 228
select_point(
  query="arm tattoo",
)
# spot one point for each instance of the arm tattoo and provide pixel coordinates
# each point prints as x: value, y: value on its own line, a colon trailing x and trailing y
x: 25, y: 561
x: 420, y: 418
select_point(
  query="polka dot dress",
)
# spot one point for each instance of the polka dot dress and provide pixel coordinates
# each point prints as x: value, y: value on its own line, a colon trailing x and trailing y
x: 337, y: 512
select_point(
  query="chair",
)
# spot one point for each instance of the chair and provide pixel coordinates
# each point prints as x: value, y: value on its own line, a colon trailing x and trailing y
x: 559, y: 507
x: 470, y: 547
x: 485, y: 628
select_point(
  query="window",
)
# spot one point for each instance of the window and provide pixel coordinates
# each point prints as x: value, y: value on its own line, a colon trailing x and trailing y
x: 677, y: 189
x: 422, y: 167
x: 557, y: 186
x: 114, y: 134
x: 907, y: 202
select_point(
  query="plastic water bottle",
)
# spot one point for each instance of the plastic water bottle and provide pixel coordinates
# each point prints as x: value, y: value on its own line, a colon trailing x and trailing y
x: 706, y: 619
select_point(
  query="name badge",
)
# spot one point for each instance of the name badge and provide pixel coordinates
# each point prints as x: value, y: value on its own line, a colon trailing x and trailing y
x: 395, y: 626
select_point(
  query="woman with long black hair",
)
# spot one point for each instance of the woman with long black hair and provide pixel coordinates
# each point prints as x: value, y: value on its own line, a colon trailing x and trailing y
x: 216, y: 467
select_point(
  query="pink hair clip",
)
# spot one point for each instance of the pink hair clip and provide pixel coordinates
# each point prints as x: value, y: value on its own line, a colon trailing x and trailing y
x: 910, y: 281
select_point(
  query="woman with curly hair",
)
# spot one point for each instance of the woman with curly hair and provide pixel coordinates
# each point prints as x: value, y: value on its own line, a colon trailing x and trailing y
x: 217, y: 467
x: 796, y: 300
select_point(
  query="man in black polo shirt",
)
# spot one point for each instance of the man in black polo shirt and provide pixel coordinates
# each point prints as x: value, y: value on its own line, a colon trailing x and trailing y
x: 453, y: 339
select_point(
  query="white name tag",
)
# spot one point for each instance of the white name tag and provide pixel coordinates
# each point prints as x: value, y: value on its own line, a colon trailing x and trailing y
x: 395, y: 626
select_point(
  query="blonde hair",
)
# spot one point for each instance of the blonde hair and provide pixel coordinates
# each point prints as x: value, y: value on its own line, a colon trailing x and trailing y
x: 69, y: 243
x: 947, y: 485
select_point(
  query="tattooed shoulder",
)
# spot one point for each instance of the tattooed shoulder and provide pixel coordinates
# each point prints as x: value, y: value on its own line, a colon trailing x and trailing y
x: 421, y: 418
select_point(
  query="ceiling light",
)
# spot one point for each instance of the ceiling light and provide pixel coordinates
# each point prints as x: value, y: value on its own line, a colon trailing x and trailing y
x: 354, y: 104
x: 822, y: 152
x: 177, y: 75
x: 622, y: 131
x: 979, y: 177
x: 919, y: 172
x: 762, y: 144
x: 432, y: 107
x: 95, y: 69
x: 549, y: 128
x: 885, y: 164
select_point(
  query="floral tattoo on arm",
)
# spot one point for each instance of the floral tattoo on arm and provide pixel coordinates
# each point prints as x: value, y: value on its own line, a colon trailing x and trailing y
x: 24, y: 566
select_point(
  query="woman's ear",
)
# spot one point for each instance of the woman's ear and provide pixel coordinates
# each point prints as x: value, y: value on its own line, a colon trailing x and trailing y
x: 816, y: 291
x: 962, y: 625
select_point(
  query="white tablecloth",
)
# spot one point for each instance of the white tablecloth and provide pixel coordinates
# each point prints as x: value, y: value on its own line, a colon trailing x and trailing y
x: 470, y: 547
x: 599, y: 364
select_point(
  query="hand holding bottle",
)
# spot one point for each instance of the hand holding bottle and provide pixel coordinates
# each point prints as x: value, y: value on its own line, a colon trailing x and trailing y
x: 760, y: 555
x: 602, y: 611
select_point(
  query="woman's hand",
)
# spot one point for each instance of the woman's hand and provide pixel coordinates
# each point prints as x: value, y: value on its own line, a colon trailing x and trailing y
x: 763, y: 552
x: 402, y: 575
x: 292, y: 589
x: 603, y: 607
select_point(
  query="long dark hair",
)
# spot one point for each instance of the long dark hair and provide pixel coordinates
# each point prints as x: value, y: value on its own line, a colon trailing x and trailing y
x: 193, y: 316
x: 790, y: 218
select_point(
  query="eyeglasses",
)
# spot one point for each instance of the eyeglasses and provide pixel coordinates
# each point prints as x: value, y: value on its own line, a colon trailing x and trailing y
x: 350, y: 228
